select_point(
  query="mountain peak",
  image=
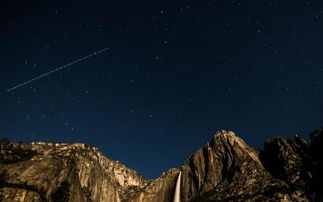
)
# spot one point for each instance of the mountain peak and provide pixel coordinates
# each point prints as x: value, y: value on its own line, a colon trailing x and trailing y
x: 225, y: 169
x: 229, y: 136
x: 230, y: 139
x: 225, y: 133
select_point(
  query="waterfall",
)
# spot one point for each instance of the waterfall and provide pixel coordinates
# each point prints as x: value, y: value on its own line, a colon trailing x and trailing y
x: 177, y: 194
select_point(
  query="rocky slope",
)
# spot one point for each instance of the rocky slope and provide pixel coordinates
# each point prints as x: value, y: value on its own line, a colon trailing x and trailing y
x: 225, y: 169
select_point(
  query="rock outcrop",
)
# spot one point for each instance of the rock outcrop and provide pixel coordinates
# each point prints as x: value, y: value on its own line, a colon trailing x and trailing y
x: 225, y: 169
x: 57, y: 172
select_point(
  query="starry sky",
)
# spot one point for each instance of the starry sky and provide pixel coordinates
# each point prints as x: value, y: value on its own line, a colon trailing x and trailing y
x: 176, y: 72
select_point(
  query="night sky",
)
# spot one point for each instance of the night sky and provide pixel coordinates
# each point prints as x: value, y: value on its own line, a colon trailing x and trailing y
x: 176, y: 72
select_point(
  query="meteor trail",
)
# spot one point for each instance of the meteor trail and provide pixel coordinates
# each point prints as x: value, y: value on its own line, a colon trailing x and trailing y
x: 57, y: 69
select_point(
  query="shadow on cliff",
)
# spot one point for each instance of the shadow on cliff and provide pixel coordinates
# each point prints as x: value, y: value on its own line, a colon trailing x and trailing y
x: 297, y: 162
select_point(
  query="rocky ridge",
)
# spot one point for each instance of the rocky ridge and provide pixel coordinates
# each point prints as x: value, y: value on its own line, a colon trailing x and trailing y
x: 225, y: 169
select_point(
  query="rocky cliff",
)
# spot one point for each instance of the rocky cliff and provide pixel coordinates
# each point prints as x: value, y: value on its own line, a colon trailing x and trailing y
x: 225, y: 169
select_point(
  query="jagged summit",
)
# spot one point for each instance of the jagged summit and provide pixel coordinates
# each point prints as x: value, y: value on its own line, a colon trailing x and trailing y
x: 228, y: 136
x: 225, y: 169
x: 224, y: 133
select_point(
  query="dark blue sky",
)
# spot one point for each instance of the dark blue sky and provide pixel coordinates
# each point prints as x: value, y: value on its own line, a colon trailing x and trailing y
x: 176, y: 72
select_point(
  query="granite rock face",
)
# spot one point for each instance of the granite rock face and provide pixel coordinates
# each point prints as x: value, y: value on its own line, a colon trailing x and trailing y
x: 225, y: 169
x: 60, y: 172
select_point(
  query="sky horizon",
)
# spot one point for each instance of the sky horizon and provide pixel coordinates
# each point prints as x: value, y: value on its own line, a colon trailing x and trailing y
x: 175, y: 73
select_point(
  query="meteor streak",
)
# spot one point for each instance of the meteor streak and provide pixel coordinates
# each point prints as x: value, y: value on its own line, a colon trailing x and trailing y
x: 58, y: 69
